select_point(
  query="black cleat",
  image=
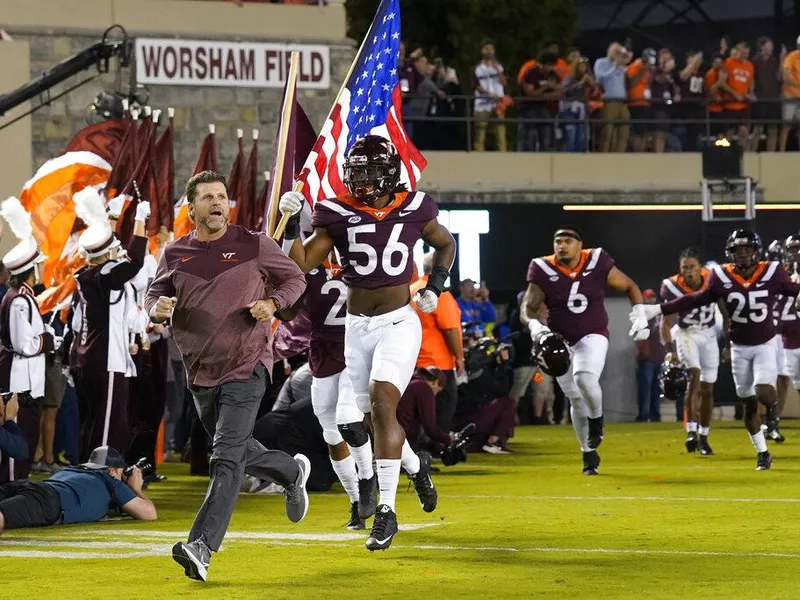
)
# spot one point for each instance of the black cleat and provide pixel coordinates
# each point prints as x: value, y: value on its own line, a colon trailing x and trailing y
x: 367, y: 496
x: 384, y: 527
x: 691, y: 442
x: 591, y: 462
x: 194, y: 557
x: 772, y: 419
x: 775, y: 435
x: 764, y: 461
x: 595, y: 432
x: 355, y: 522
x: 423, y: 483
x: 705, y: 449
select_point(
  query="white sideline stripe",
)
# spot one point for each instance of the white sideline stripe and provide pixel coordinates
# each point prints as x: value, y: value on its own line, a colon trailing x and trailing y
x: 624, y: 498
x: 81, y: 544
x: 162, y: 550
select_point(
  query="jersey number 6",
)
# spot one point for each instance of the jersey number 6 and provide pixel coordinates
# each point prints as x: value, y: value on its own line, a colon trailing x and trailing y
x: 577, y: 302
x: 393, y: 247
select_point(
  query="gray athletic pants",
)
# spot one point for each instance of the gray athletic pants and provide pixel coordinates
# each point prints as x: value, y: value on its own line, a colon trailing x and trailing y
x: 228, y: 413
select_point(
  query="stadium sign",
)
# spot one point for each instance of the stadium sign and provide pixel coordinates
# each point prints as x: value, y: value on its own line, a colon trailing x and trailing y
x: 238, y: 64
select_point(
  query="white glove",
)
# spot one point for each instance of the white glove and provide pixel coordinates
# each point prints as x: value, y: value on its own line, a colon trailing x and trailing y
x: 639, y: 316
x: 142, y: 211
x: 425, y: 299
x: 536, y: 327
x: 49, y: 329
x: 291, y: 202
x: 115, y: 206
x: 57, y: 342
x: 795, y: 277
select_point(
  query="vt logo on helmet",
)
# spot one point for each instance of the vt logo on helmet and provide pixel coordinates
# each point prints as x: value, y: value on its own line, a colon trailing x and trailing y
x: 372, y: 169
x: 551, y: 353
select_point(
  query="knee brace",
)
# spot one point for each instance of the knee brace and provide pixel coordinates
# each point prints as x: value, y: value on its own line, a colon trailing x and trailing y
x: 354, y: 434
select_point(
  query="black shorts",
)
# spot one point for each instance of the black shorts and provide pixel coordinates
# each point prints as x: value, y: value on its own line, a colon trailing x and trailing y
x: 26, y: 503
x: 767, y: 111
x: 735, y: 118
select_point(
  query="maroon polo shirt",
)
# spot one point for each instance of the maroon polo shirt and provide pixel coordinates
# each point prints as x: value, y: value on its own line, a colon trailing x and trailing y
x: 214, y: 282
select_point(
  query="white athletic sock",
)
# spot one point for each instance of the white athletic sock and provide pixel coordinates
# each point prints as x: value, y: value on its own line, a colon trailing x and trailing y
x: 363, y: 458
x: 758, y: 441
x: 580, y: 422
x: 409, y: 460
x: 691, y: 426
x: 388, y: 476
x: 704, y: 430
x: 346, y: 472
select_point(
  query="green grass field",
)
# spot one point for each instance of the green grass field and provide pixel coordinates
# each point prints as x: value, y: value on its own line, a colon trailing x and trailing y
x: 656, y: 523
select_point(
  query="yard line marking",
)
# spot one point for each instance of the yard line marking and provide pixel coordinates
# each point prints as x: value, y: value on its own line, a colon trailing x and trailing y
x: 58, y: 554
x: 82, y: 544
x: 623, y: 498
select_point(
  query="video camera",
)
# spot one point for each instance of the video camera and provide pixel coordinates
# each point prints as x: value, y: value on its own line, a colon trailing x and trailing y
x: 456, y: 452
x: 485, y: 350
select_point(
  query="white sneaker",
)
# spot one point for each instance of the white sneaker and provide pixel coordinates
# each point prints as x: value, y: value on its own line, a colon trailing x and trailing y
x: 492, y: 449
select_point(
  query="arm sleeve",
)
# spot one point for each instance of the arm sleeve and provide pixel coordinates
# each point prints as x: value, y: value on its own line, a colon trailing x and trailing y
x: 23, y: 340
x: 12, y: 442
x: 426, y: 404
x: 161, y: 285
x: 117, y: 276
x: 287, y: 279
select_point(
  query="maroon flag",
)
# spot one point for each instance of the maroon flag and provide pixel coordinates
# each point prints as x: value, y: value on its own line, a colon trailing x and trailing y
x: 207, y: 161
x: 247, y: 186
x: 137, y: 186
x: 235, y: 177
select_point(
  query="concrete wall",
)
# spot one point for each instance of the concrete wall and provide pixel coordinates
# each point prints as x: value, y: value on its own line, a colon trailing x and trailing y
x: 15, y: 141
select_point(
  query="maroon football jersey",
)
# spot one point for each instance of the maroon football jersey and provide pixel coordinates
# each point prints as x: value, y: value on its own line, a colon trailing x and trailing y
x: 574, y: 299
x: 676, y: 287
x: 749, y: 302
x: 325, y: 299
x: 376, y: 245
x: 788, y: 321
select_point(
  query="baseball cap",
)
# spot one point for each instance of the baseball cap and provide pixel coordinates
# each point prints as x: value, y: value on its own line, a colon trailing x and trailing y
x: 648, y: 293
x: 105, y: 457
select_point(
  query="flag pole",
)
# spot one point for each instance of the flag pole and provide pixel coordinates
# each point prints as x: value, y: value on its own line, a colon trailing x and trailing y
x: 283, y: 134
x: 278, y: 232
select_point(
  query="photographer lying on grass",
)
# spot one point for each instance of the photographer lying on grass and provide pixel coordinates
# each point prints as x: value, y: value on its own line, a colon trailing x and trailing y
x: 77, y: 494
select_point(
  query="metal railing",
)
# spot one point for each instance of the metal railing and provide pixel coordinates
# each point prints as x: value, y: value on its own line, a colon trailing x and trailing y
x: 667, y: 117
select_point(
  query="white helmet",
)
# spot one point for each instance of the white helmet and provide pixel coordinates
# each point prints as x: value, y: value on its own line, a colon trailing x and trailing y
x: 98, y: 237
x: 26, y: 254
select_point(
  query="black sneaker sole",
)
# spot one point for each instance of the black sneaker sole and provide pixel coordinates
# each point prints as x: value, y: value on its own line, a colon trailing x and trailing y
x: 190, y: 567
x: 373, y: 545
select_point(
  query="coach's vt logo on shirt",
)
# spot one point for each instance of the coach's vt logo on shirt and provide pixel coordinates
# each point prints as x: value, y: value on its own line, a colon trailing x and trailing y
x: 229, y: 257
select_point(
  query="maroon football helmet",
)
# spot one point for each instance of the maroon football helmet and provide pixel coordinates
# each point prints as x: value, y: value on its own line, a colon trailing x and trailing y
x: 371, y: 169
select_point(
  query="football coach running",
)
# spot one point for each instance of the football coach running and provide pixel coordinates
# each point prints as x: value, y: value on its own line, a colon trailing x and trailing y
x: 220, y: 285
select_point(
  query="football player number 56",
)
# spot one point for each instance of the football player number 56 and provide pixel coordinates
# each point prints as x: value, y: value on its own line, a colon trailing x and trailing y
x: 577, y: 302
x: 394, y: 247
x: 757, y: 310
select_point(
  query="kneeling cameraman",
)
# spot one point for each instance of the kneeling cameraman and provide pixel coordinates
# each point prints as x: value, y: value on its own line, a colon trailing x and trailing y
x: 77, y: 494
x: 484, y: 400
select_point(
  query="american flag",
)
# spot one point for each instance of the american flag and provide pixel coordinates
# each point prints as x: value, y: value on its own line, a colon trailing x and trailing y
x: 369, y: 103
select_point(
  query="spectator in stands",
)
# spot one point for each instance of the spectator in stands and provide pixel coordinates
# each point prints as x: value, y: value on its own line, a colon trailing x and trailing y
x: 560, y: 66
x: 449, y: 135
x: 665, y: 94
x: 715, y: 80
x: 424, y: 101
x: 573, y: 55
x: 649, y: 356
x: 540, y: 87
x: 416, y: 411
x: 409, y: 81
x: 739, y: 85
x: 489, y: 85
x: 579, y: 89
x: 692, y: 106
x: 791, y: 94
x: 767, y: 89
x: 724, y: 47
x: 610, y: 74
x: 639, y: 76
